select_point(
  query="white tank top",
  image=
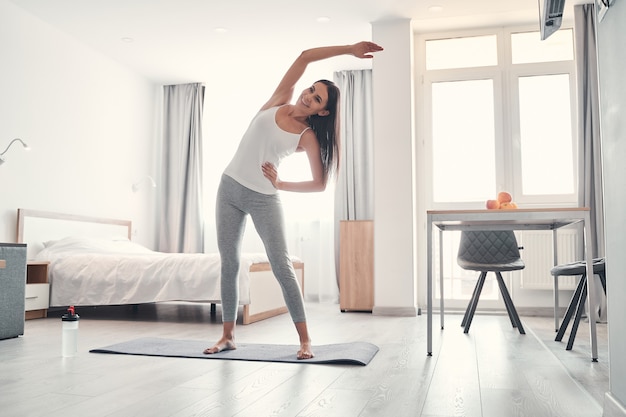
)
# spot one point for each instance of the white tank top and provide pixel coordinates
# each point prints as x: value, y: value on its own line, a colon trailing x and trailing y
x: 263, y: 142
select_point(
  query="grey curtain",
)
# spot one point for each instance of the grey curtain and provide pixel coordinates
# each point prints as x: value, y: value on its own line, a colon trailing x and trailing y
x: 590, y: 165
x: 181, y: 225
x: 354, y: 193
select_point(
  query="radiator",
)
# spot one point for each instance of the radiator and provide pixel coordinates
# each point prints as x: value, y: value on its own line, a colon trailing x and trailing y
x: 539, y: 259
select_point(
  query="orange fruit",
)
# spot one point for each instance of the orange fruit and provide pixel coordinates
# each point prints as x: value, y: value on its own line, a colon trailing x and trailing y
x: 504, y: 197
x: 492, y: 204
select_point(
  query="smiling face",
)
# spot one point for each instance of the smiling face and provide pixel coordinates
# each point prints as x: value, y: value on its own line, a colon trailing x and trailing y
x: 314, y: 99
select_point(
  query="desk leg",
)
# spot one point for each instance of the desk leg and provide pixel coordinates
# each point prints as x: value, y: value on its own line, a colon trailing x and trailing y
x: 555, y: 256
x: 429, y: 285
x: 591, y: 288
x: 441, y: 277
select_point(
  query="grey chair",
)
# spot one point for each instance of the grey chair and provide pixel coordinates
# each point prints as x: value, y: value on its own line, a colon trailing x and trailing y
x: 577, y: 303
x: 490, y: 251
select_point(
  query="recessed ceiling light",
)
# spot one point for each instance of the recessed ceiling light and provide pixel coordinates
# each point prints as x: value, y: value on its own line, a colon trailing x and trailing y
x: 323, y: 19
x: 435, y: 9
x: 127, y: 39
x: 221, y: 30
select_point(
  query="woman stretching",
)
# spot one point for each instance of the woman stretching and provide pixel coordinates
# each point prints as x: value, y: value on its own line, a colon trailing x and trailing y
x: 250, y: 183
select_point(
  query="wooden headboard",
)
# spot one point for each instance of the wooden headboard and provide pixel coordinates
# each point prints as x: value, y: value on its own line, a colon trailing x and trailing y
x: 35, y: 227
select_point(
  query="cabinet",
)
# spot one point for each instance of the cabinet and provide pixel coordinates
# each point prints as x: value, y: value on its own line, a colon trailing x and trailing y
x: 356, y: 265
x: 12, y: 287
x: 37, y: 296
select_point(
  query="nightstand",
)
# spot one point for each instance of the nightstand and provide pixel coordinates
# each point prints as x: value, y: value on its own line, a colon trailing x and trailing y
x: 37, y: 290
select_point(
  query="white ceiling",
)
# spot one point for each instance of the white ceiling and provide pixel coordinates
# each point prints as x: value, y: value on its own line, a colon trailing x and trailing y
x: 177, y: 40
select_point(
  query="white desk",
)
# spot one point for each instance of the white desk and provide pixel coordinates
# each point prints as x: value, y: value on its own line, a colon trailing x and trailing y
x: 519, y: 219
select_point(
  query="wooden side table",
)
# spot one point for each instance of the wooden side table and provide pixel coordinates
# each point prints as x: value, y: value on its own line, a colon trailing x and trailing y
x: 356, y: 265
x: 37, y: 290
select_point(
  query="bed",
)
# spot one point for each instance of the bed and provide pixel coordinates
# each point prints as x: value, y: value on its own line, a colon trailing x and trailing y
x: 93, y: 262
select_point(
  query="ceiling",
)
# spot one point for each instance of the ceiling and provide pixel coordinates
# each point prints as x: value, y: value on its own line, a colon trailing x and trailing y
x: 173, y: 41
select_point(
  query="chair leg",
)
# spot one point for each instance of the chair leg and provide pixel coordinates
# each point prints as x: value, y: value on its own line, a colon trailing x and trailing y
x: 571, y: 308
x: 474, y: 303
x: 509, y: 305
x: 603, y: 281
x: 579, y: 313
x: 474, y: 297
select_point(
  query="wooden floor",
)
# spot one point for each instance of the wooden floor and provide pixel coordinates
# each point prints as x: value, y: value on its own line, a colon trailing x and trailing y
x: 491, y: 372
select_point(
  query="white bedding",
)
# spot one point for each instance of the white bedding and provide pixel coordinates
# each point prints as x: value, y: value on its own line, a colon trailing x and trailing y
x: 85, y: 271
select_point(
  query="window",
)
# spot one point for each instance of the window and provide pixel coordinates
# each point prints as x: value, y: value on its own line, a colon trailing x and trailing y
x: 527, y: 48
x: 475, y: 51
x: 501, y: 110
x: 462, y: 123
x: 498, y: 116
x: 545, y: 132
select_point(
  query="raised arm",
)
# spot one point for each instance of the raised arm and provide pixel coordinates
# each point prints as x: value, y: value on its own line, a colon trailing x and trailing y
x: 284, y: 92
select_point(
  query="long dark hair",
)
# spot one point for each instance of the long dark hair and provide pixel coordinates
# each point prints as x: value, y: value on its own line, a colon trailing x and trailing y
x: 326, y: 129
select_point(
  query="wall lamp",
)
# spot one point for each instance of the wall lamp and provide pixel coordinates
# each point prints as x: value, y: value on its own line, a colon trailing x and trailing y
x: 148, y: 179
x: 11, y: 143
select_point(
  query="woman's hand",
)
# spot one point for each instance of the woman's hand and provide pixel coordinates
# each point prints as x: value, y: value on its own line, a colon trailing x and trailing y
x: 270, y: 172
x: 364, y: 49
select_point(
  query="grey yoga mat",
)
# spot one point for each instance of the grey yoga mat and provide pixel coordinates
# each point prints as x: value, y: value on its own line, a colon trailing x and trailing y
x: 353, y: 353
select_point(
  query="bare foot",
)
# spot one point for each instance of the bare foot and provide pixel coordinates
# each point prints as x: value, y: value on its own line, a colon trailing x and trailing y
x: 223, y: 344
x: 305, y: 351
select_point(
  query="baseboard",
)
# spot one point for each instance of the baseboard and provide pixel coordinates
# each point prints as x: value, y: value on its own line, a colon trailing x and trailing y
x: 612, y: 407
x: 395, y: 311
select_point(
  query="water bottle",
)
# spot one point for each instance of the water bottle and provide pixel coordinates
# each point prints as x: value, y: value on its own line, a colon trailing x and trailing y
x: 70, y: 333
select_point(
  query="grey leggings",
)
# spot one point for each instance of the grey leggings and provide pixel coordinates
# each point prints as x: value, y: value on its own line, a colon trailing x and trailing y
x: 234, y: 203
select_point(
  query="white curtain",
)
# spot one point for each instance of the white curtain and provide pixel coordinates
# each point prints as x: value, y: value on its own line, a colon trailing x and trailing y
x: 181, y: 225
x: 590, y: 166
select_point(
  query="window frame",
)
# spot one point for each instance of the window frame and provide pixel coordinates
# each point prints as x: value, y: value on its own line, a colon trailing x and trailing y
x: 507, y: 118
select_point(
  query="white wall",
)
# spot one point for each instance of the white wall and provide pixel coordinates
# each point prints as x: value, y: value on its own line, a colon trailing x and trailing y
x: 394, y: 211
x: 93, y: 127
x: 612, y: 63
